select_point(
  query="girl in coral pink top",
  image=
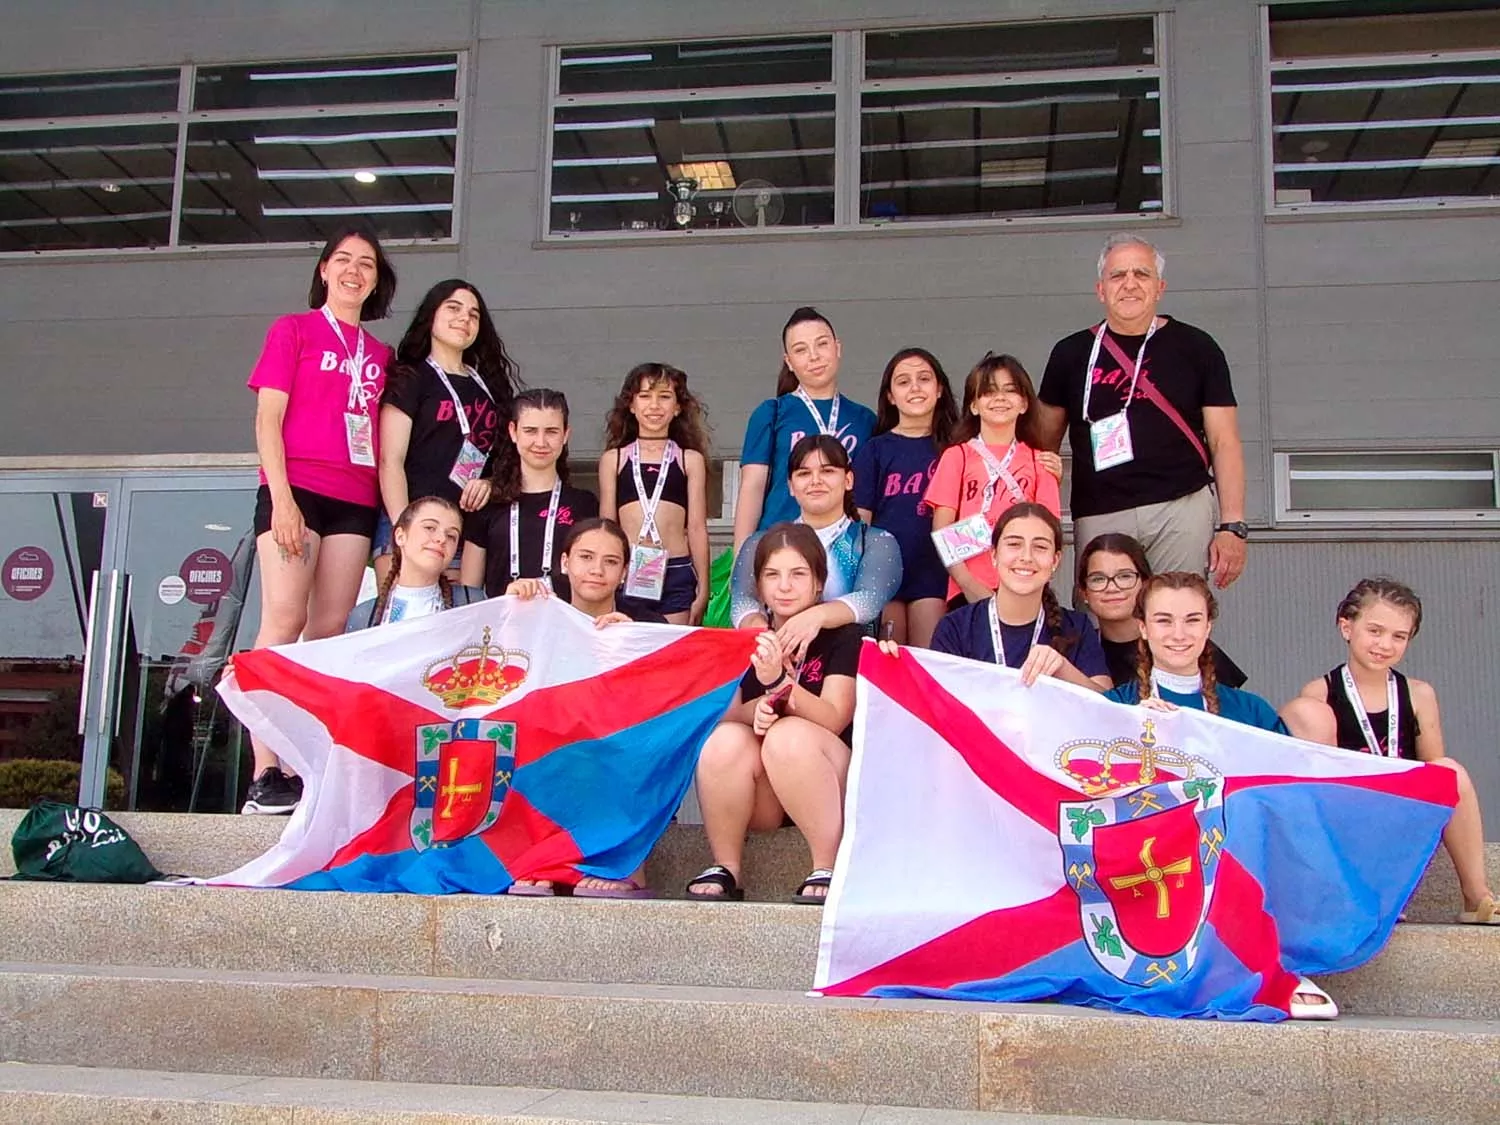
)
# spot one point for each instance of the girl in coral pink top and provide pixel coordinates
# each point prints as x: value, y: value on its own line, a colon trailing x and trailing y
x: 317, y: 392
x: 990, y: 464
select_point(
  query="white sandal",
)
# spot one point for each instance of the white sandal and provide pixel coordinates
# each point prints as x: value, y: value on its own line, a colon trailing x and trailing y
x: 1323, y: 1009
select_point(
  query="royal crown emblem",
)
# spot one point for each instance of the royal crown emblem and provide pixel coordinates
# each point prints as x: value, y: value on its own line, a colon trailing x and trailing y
x: 1101, y: 767
x: 1142, y: 854
x: 478, y: 674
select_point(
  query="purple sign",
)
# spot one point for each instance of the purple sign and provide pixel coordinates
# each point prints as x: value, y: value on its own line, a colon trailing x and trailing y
x: 208, y: 574
x: 27, y: 573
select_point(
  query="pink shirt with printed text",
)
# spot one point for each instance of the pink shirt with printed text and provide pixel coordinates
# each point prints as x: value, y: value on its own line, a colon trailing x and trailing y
x: 303, y: 358
x: 959, y: 484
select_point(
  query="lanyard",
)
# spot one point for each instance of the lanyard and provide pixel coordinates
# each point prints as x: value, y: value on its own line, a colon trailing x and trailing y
x: 998, y: 471
x: 1392, y: 733
x: 515, y: 533
x: 648, y: 507
x: 458, y: 405
x: 1036, y: 634
x: 359, y: 398
x: 1088, y: 374
x: 832, y: 428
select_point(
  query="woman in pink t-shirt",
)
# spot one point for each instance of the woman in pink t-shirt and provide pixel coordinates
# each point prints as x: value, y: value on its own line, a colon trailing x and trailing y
x: 317, y: 392
x: 991, y: 463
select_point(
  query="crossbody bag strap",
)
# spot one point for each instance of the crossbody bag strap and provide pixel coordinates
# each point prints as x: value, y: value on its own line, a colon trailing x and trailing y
x: 1148, y: 391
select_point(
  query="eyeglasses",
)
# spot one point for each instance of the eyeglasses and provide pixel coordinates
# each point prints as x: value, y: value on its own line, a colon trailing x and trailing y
x: 1124, y: 580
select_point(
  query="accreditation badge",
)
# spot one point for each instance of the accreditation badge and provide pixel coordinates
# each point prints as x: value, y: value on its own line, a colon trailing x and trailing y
x: 962, y: 540
x: 647, y: 575
x: 1110, y: 439
x: 468, y: 465
x: 360, y: 434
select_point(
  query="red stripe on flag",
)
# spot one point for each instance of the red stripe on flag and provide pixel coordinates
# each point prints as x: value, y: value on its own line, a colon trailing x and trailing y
x: 626, y: 696
x: 1437, y: 785
x: 391, y: 833
x: 531, y: 845
x: 1238, y: 915
x: 1016, y: 780
x: 368, y: 721
x: 987, y: 947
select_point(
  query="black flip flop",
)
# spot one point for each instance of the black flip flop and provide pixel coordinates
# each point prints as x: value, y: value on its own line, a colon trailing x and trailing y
x: 822, y: 877
x: 719, y: 876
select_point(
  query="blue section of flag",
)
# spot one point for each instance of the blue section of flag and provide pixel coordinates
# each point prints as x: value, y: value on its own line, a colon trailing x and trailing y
x: 616, y: 795
x: 1322, y: 853
x: 467, y: 867
x: 1218, y: 987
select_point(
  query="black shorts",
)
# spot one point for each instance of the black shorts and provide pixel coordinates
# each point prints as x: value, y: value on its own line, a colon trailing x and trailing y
x: 323, y: 515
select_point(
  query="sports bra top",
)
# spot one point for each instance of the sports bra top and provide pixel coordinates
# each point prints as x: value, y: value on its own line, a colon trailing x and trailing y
x: 675, y: 492
x: 1350, y: 737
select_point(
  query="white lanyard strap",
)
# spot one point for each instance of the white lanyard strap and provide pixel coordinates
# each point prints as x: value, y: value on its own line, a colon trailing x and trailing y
x: 1036, y: 634
x: 832, y: 426
x: 359, y: 398
x: 458, y: 405
x: 1392, y: 731
x: 648, y: 507
x: 515, y: 533
x: 997, y: 471
x: 1088, y: 374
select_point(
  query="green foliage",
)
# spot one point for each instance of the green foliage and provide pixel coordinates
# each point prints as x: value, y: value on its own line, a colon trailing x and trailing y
x: 26, y: 780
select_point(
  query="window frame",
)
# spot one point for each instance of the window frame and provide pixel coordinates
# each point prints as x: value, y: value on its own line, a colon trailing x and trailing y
x: 1269, y: 67
x: 184, y: 116
x: 848, y: 86
x: 1284, y: 515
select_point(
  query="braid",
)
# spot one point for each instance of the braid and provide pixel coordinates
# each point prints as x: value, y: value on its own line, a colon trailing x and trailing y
x: 1053, y: 610
x: 445, y: 589
x: 1210, y: 688
x: 378, y: 613
x: 1143, y: 666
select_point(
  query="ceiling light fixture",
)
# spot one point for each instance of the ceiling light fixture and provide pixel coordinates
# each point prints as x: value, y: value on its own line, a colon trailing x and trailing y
x: 365, y: 177
x: 110, y: 186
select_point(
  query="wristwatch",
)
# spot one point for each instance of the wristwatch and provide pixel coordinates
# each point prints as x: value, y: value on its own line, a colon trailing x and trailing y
x: 1239, y: 527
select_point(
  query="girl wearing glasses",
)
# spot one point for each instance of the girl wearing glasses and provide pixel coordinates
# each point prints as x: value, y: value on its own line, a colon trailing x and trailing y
x: 1110, y: 571
x: 991, y: 462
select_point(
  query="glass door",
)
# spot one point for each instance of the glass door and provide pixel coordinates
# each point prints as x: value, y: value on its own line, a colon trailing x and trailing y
x: 61, y: 597
x: 186, y: 552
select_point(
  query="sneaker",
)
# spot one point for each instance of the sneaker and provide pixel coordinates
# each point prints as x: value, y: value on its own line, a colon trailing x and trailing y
x: 271, y: 794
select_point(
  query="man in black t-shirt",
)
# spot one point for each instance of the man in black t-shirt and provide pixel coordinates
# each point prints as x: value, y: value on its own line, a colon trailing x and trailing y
x: 1153, y: 428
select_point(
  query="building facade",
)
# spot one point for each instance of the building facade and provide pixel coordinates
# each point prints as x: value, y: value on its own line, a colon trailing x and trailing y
x: 650, y: 179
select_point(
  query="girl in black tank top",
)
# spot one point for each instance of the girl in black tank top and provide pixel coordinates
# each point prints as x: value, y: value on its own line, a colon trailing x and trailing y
x: 1378, y: 619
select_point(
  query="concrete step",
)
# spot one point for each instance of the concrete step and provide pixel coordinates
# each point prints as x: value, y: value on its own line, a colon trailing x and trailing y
x: 203, y: 845
x: 69, y: 1095
x: 736, y: 1043
x: 1425, y: 971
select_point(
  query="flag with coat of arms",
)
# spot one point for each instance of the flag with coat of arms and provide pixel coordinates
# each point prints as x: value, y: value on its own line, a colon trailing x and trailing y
x: 1011, y: 843
x: 464, y: 750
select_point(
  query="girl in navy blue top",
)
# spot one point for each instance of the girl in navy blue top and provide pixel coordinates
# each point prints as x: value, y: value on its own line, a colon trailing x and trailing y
x: 1035, y: 634
x: 891, y: 473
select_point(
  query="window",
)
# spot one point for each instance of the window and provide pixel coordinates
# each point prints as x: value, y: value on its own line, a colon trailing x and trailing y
x: 222, y: 155
x: 996, y: 122
x: 1382, y: 110
x: 953, y: 124
x: 1359, y: 487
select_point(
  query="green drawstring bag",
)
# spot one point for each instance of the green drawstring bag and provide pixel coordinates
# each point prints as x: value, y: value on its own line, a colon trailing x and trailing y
x: 68, y: 844
x: 717, y: 614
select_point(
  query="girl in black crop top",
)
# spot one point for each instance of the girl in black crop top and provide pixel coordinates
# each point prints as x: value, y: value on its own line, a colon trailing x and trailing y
x: 1365, y: 705
x: 653, y: 479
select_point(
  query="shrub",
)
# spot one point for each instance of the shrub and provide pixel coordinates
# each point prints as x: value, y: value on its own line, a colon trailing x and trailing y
x: 26, y: 780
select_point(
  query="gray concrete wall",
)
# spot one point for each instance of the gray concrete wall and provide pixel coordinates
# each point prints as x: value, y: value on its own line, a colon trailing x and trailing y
x: 1370, y: 331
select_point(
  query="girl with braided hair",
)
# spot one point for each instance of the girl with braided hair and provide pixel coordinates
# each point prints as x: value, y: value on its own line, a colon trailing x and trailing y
x: 423, y: 541
x: 1175, y: 666
x: 1022, y: 625
x: 1365, y: 705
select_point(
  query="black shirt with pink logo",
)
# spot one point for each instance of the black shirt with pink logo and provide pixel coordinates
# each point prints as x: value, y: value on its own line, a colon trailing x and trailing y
x: 436, y: 436
x: 833, y: 652
x: 489, y: 528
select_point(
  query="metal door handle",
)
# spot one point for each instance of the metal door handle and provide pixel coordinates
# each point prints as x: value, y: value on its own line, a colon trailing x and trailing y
x: 88, y: 654
x: 106, y: 662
